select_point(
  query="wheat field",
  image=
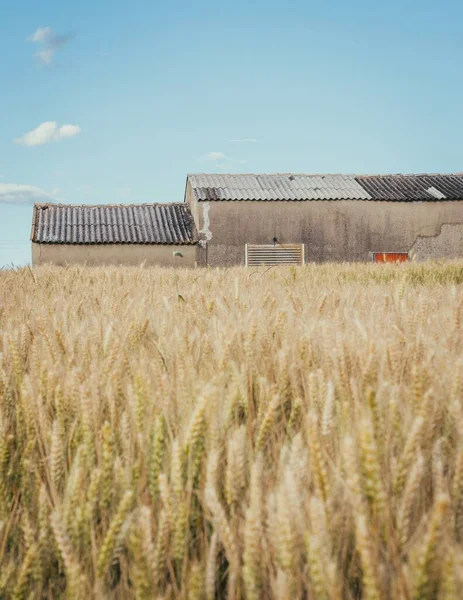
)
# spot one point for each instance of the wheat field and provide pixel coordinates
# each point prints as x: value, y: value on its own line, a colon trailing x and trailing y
x: 245, y: 433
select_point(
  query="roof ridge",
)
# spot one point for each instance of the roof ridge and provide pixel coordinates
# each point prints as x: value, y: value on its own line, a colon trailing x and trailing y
x: 450, y: 174
x: 63, y: 204
x: 278, y: 174
x: 328, y: 186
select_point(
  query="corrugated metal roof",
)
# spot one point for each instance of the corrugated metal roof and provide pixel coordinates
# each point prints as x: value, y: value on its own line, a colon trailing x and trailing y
x: 276, y: 187
x: 413, y: 187
x: 113, y: 224
x: 287, y: 186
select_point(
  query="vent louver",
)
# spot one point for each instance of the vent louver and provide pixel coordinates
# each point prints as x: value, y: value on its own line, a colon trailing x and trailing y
x: 274, y: 254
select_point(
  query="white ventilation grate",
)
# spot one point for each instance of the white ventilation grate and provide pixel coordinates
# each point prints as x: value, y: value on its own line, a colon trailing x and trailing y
x: 274, y: 254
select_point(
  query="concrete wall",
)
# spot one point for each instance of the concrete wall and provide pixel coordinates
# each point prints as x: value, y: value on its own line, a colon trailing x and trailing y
x: 193, y: 204
x: 448, y: 242
x: 339, y: 230
x: 113, y: 254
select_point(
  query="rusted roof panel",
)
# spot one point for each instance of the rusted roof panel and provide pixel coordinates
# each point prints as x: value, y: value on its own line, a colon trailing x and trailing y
x: 113, y: 224
x: 287, y: 186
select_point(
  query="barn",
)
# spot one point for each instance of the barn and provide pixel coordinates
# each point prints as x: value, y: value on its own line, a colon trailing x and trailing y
x: 106, y: 234
x: 251, y: 219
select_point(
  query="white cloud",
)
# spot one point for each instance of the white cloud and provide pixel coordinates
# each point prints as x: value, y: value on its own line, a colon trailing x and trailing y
x: 215, y: 156
x: 13, y: 193
x: 50, y: 42
x: 47, y: 132
x: 68, y: 131
x: 41, y: 35
x: 46, y: 56
x: 244, y: 141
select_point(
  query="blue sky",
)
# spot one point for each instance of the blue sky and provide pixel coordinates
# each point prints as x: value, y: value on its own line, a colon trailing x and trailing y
x: 154, y: 90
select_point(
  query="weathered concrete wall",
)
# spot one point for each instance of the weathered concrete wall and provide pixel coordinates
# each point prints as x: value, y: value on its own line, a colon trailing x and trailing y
x: 448, y: 242
x: 193, y: 204
x: 340, y: 230
x: 113, y: 254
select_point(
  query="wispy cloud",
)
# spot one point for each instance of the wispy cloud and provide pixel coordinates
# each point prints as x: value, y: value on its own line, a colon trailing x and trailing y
x: 243, y: 141
x: 214, y: 156
x: 41, y: 35
x: 47, y: 132
x: 21, y: 195
x: 221, y: 161
x: 49, y: 42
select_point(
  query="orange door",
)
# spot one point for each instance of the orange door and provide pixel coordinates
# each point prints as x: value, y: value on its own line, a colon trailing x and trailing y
x: 384, y: 257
